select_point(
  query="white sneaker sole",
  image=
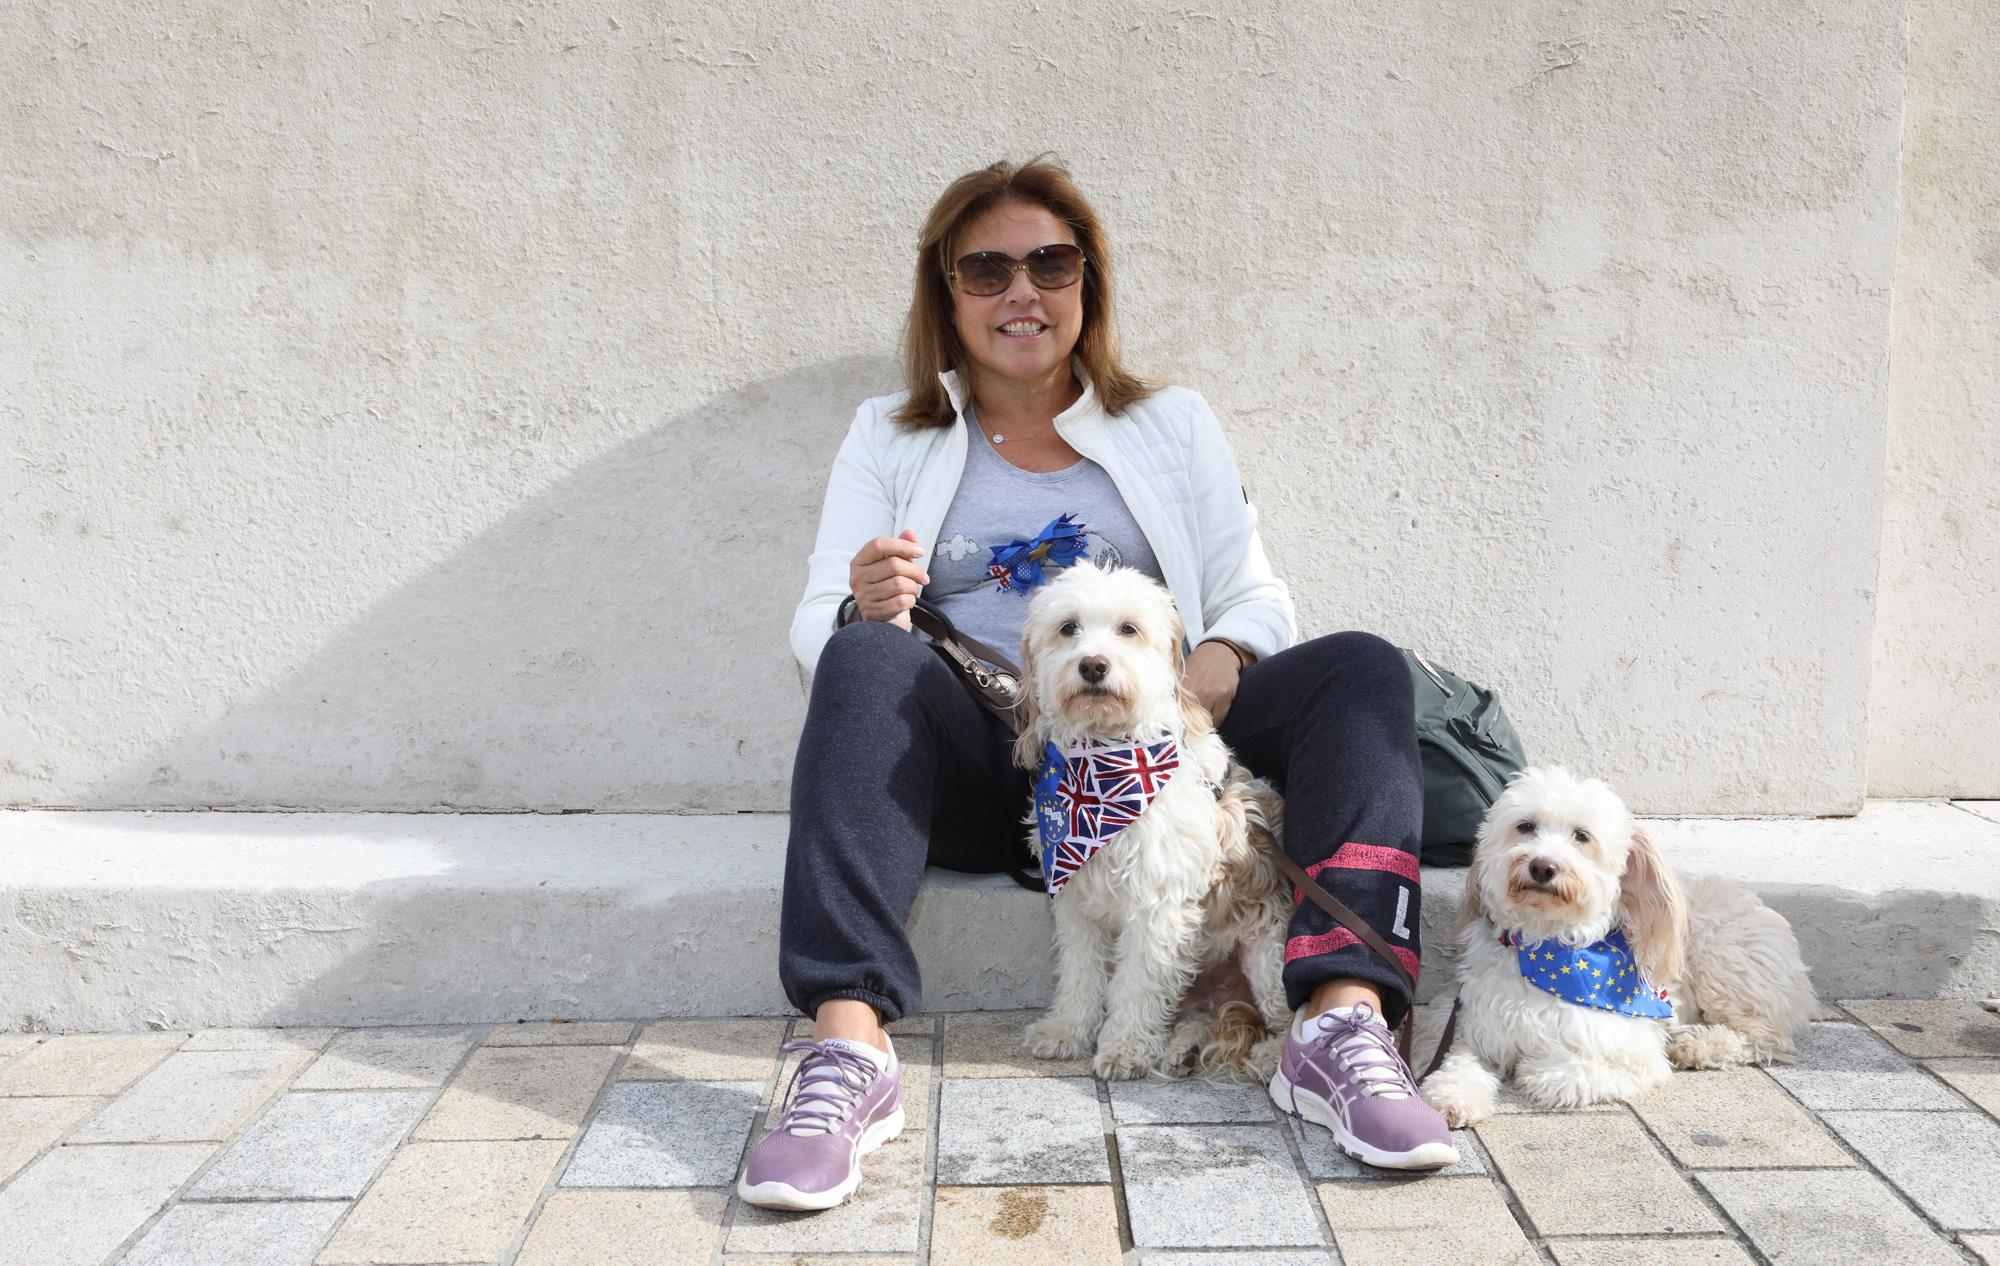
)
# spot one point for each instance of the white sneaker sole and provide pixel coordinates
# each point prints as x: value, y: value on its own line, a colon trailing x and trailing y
x: 1316, y: 1110
x: 781, y: 1195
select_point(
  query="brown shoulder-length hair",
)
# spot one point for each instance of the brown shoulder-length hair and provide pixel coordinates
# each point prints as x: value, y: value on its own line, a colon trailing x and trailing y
x: 930, y: 340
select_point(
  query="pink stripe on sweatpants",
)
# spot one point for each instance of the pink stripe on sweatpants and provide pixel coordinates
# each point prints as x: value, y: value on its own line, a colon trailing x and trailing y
x: 1352, y: 856
x: 1340, y: 938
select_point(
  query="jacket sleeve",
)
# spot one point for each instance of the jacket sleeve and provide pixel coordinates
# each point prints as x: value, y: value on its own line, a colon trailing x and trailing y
x: 858, y: 509
x: 1241, y: 600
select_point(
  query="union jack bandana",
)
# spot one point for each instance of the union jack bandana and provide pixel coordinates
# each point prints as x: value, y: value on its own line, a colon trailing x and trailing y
x: 1603, y: 977
x: 1089, y: 792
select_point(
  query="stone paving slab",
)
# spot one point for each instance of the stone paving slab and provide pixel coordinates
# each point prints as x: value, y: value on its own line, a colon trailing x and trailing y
x: 1826, y: 1218
x: 1021, y: 1130
x: 1585, y: 1174
x: 76, y: 1204
x: 1735, y: 1119
x: 28, y: 1126
x: 1264, y: 1257
x: 885, y: 1214
x: 314, y: 1145
x: 194, y: 1097
x: 1049, y: 1226
x: 526, y: 1092
x: 12, y: 1044
x: 1213, y: 1186
x: 666, y: 1134
x: 1843, y: 1066
x: 1985, y: 1247
x: 445, y: 1202
x: 625, y: 1228
x: 1436, y: 1222
x: 988, y: 1044
x: 1150, y: 1101
x: 1933, y: 1028
x: 1689, y: 1252
x: 389, y: 1059
x: 259, y: 1040
x: 262, y: 1234
x: 1976, y: 1079
x: 86, y: 1063
x: 706, y: 1050
x: 563, y: 1033
x: 1325, y: 1160
x: 1948, y: 1162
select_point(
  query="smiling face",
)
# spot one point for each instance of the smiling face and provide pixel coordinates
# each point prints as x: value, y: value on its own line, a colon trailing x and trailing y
x: 1021, y: 334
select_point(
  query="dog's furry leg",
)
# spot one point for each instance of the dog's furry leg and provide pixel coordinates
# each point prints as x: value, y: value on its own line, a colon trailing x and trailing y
x: 1155, y: 964
x: 1263, y: 958
x: 1707, y: 1046
x: 1071, y: 1025
x: 1462, y: 1088
x: 1564, y: 1080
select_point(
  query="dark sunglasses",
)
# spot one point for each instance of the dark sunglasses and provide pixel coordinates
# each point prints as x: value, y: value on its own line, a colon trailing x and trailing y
x: 988, y: 273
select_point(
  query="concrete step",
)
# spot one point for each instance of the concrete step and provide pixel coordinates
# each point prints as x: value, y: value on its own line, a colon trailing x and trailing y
x: 124, y: 921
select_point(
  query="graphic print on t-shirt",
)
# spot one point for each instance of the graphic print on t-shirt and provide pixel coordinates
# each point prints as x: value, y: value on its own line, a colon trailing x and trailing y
x: 1019, y: 566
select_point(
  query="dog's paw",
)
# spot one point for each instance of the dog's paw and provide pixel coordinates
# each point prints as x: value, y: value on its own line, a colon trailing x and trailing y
x: 1264, y: 1058
x: 1121, y: 1063
x: 1708, y: 1046
x: 1458, y: 1106
x: 1052, y: 1039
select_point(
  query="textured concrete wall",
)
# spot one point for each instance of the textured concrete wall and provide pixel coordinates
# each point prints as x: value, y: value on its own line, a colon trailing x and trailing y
x: 1936, y: 688
x: 410, y: 406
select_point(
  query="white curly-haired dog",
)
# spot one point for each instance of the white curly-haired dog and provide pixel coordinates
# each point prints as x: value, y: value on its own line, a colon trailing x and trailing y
x: 1182, y: 888
x: 1561, y: 865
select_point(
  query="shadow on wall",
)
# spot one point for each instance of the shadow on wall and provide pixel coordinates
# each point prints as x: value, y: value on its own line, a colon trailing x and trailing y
x: 619, y: 642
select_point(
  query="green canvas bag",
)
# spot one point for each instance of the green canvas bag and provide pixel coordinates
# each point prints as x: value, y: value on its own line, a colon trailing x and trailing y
x: 1469, y: 749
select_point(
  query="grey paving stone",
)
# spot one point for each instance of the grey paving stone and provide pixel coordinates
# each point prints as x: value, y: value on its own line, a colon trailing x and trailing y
x: 1976, y: 1079
x: 1822, y: 1217
x: 666, y: 1134
x: 1623, y: 1252
x: 1152, y: 1102
x: 1932, y: 1028
x: 1844, y: 1066
x: 1282, y: 1257
x: 1020, y: 1130
x: 390, y: 1059
x: 193, y: 1096
x: 1213, y: 1186
x: 263, y: 1234
x: 76, y: 1204
x: 259, y: 1039
x: 1582, y: 1174
x: 314, y: 1145
x: 1948, y: 1162
x: 1985, y: 1247
x: 1413, y: 1221
x: 1324, y: 1160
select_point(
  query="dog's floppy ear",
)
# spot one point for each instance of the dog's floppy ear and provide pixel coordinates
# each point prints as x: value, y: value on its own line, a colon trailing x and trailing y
x: 1027, y: 713
x: 1655, y: 912
x: 1472, y: 909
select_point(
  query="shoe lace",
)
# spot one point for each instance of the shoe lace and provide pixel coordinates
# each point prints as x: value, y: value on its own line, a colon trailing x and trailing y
x: 1360, y: 1043
x: 824, y: 1087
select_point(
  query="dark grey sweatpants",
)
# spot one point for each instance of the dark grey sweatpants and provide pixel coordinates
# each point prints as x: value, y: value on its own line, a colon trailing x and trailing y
x: 898, y: 768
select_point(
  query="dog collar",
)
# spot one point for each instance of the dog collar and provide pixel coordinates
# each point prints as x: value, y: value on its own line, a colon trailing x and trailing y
x: 1090, y: 791
x: 1603, y: 976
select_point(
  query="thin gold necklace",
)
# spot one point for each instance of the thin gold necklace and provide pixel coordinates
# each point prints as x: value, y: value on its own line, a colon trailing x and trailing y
x: 1001, y: 439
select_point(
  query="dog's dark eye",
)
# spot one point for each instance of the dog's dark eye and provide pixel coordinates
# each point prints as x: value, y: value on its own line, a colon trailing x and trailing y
x: 1127, y: 630
x: 1525, y: 828
x: 1068, y: 629
x: 1582, y: 836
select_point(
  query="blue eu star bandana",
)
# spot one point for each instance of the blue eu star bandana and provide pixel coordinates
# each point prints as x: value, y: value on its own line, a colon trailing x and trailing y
x: 1089, y: 792
x: 1603, y: 976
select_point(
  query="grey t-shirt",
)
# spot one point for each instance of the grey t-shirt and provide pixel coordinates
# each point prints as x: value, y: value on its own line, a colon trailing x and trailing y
x: 1009, y: 530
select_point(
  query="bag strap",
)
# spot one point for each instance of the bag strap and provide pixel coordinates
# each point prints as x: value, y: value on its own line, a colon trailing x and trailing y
x: 997, y: 687
x: 1353, y: 923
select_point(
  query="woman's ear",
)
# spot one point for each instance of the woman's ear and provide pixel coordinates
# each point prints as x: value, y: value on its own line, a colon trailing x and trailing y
x: 1655, y: 912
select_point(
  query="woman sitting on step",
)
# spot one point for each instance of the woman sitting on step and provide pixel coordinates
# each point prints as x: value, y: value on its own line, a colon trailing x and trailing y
x: 1018, y: 419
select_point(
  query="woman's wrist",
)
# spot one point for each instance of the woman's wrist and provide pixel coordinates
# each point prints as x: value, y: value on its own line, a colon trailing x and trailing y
x: 1243, y: 658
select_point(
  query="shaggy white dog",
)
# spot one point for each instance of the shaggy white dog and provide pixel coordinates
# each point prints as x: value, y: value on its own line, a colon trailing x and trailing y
x: 1560, y: 859
x: 1186, y: 885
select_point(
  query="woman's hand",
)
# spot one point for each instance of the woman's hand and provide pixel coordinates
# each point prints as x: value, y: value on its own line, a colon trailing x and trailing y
x: 885, y: 579
x: 1211, y: 672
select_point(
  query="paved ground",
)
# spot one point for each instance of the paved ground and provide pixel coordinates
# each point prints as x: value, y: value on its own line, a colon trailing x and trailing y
x: 609, y: 1142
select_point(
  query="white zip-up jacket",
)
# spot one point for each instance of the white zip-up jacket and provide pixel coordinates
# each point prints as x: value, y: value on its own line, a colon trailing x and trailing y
x: 1168, y: 458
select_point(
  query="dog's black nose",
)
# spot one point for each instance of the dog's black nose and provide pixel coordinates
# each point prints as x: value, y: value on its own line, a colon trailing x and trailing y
x: 1093, y: 668
x: 1541, y: 871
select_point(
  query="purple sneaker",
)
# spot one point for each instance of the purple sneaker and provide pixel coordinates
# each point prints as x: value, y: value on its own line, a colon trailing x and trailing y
x: 843, y: 1106
x: 1342, y: 1071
